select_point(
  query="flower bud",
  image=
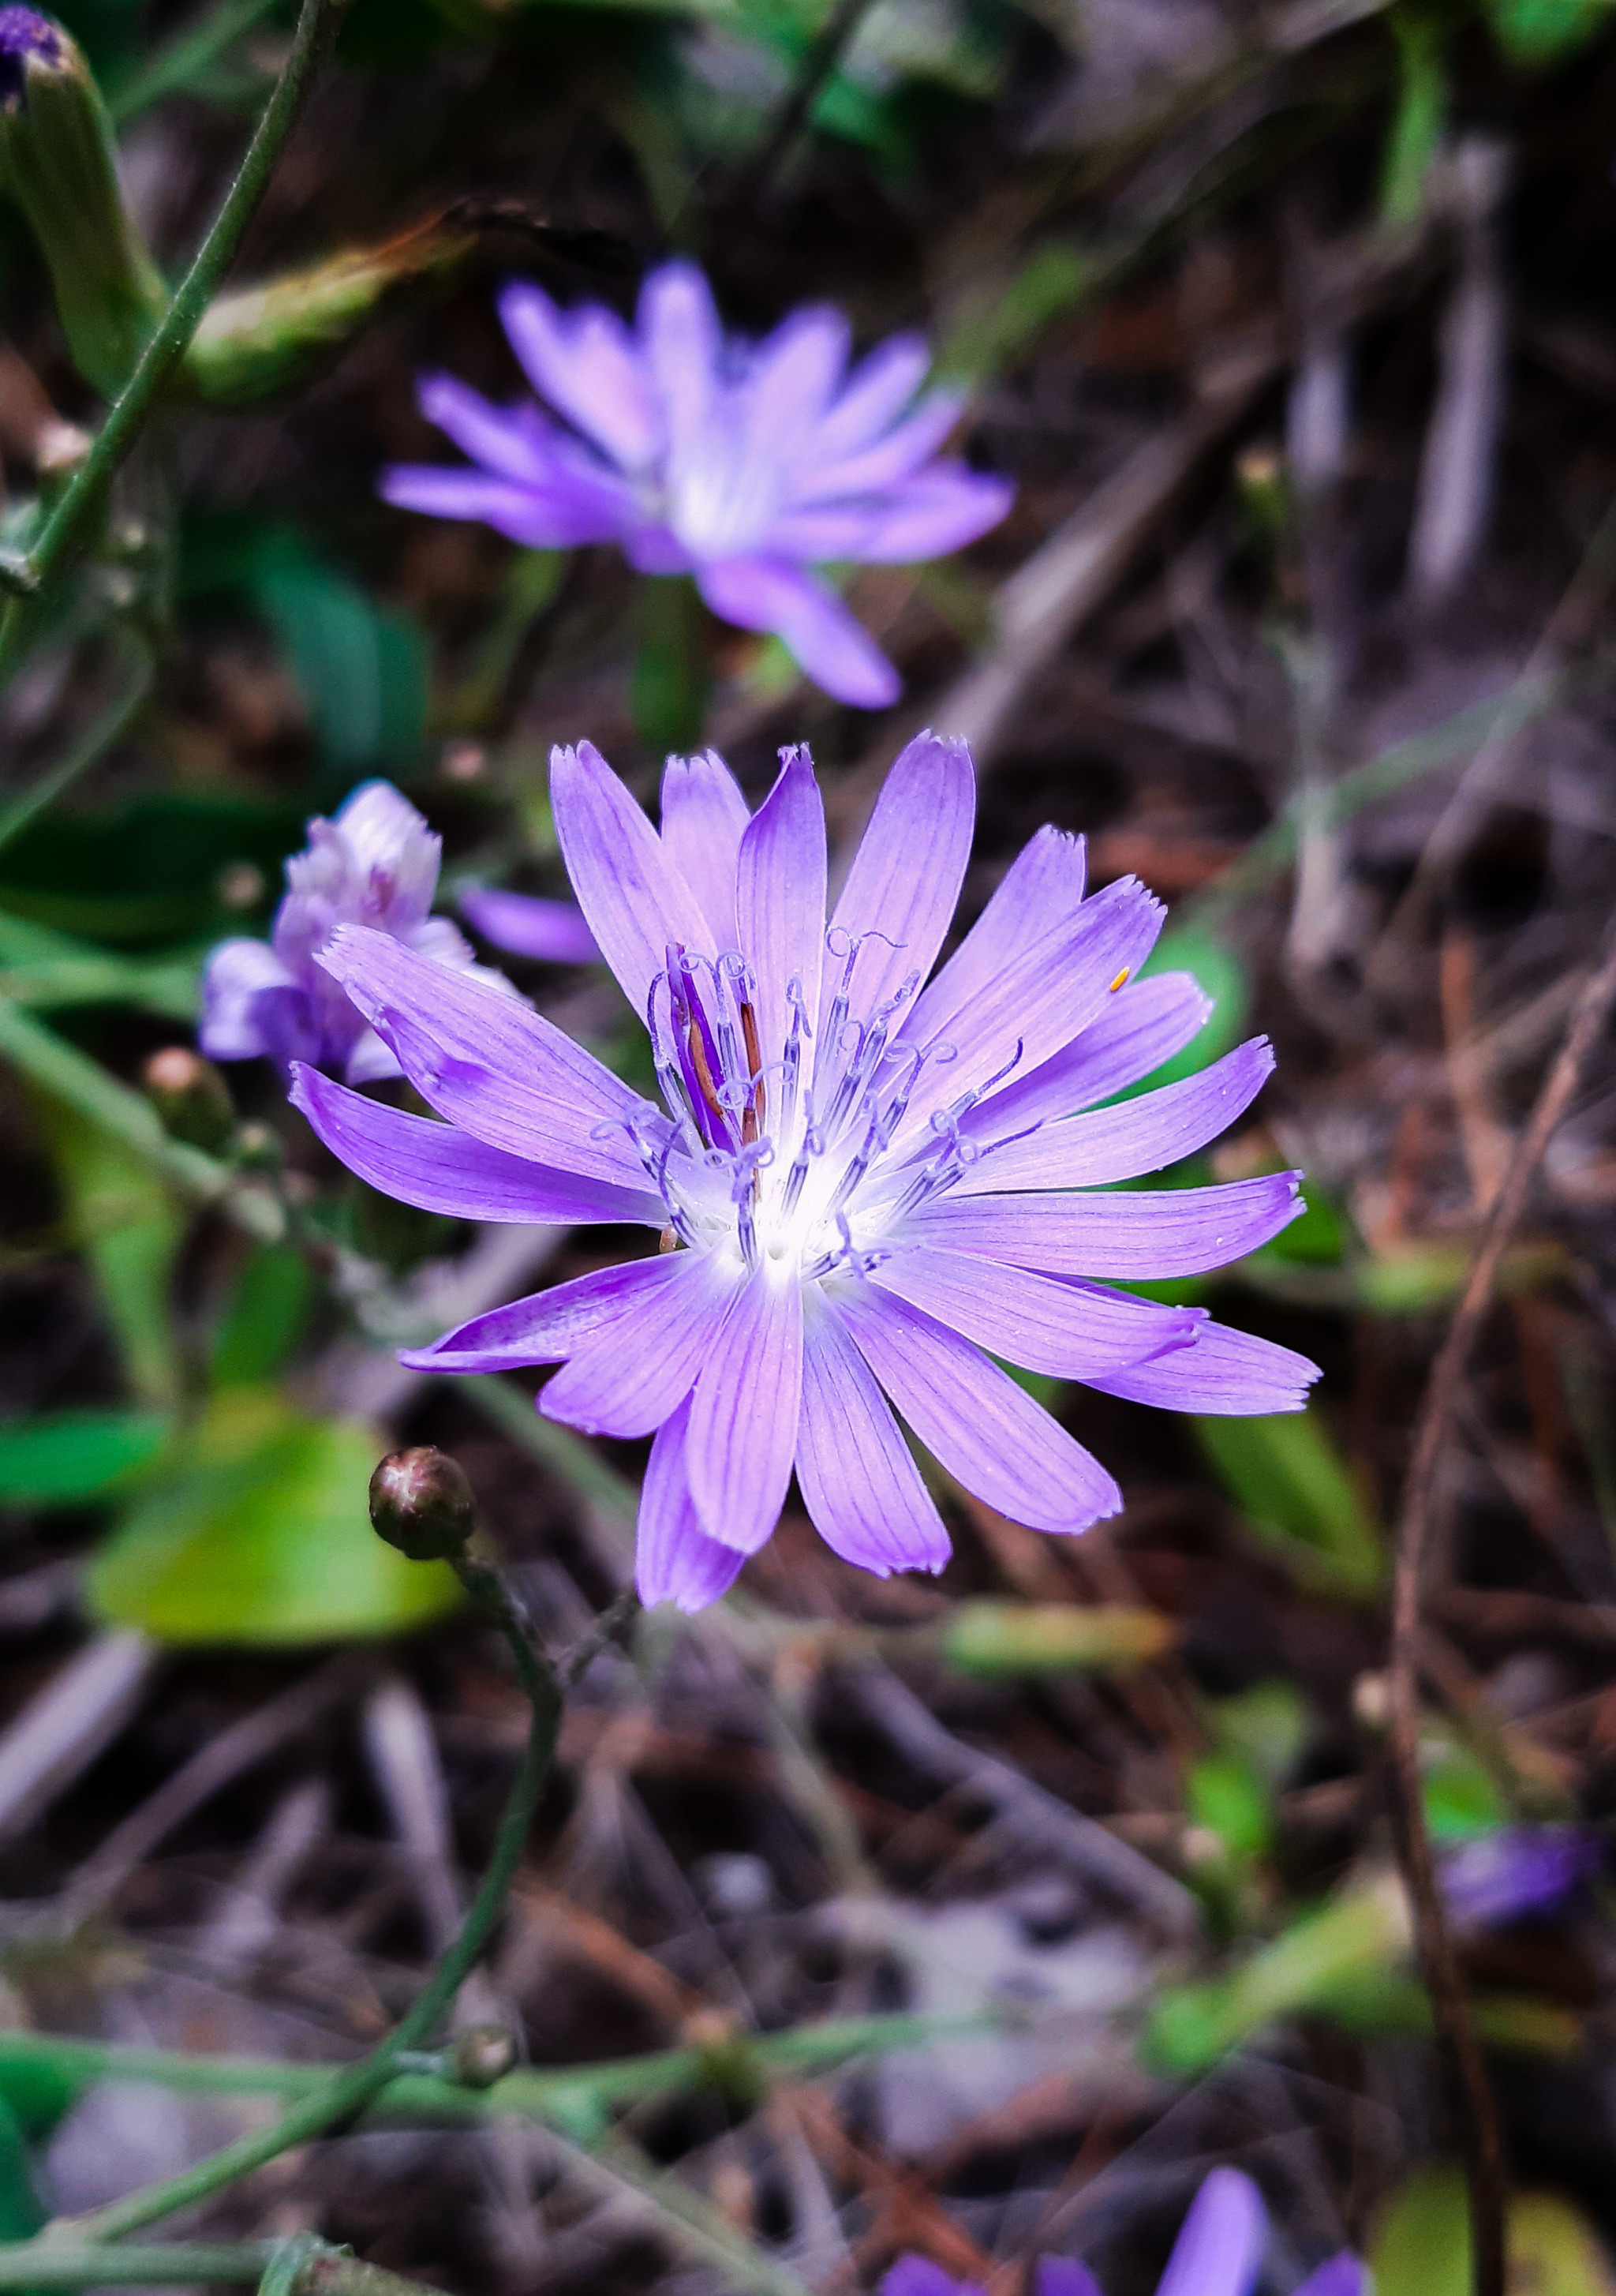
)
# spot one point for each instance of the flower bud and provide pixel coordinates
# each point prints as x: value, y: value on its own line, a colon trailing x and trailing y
x: 192, y: 1097
x: 421, y: 1503
x: 58, y: 162
x: 483, y: 2054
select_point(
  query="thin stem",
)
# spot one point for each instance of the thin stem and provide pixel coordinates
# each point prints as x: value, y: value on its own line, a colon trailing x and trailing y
x: 95, y: 741
x: 1476, y: 2110
x: 49, y: 2263
x: 343, y: 2099
x: 63, y: 528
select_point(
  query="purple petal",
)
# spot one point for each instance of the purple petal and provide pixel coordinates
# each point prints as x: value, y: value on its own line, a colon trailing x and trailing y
x: 547, y: 1326
x: 370, y: 1061
x: 553, y: 932
x: 1148, y: 1232
x: 553, y: 518
x: 704, y: 816
x: 1220, y: 2245
x: 488, y: 1062
x: 590, y: 368
x: 906, y: 875
x: 1031, y: 1320
x: 505, y: 446
x: 745, y: 1413
x: 237, y: 1022
x: 391, y: 842
x: 987, y: 1431
x: 1520, y: 1870
x: 918, y: 2276
x: 628, y: 886
x: 821, y: 635
x: 1135, y: 1137
x: 674, y: 1560
x: 794, y: 375
x: 1139, y: 1027
x: 1345, y: 2274
x: 941, y: 510
x: 1225, y: 1372
x: 1063, y: 2276
x: 877, y: 390
x: 439, y: 1169
x: 683, y: 343
x: 633, y: 1378
x: 1039, y: 892
x: 780, y: 898
x: 882, y: 462
x: 859, y: 1479
x: 1058, y: 985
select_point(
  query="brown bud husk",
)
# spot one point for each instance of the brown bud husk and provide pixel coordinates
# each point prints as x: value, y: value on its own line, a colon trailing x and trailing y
x: 421, y: 1503
x: 481, y: 2056
x: 192, y: 1097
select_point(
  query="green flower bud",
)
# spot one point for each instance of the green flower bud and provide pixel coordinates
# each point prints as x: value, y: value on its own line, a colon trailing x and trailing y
x: 421, y: 1503
x: 192, y: 1097
x: 58, y: 162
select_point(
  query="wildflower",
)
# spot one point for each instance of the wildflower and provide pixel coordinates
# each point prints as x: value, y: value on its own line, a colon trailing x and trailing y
x: 1517, y: 1872
x: 742, y: 463
x: 1218, y: 2253
x: 374, y: 865
x: 872, y: 1185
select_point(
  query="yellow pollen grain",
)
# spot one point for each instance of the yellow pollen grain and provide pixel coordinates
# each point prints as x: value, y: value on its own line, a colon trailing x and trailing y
x: 1120, y: 976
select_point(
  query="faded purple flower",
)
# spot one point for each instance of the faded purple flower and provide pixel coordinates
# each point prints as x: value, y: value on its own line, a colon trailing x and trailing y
x: 868, y: 1186
x: 1218, y: 2253
x: 375, y: 865
x: 1517, y: 1872
x: 24, y: 32
x: 742, y: 463
x: 553, y: 931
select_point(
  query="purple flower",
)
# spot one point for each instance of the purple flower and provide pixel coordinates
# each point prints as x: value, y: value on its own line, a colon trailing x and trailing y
x: 867, y: 1187
x: 1517, y: 1872
x: 553, y: 931
x: 375, y: 865
x: 742, y: 463
x: 1218, y: 2253
x: 25, y: 32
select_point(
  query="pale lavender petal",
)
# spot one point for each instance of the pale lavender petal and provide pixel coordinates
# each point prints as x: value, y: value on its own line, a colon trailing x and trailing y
x: 1041, y: 891
x: 821, y: 635
x: 859, y: 1479
x: 1520, y: 1870
x: 546, y: 1326
x: 370, y: 1061
x: 442, y: 1170
x: 590, y: 368
x: 506, y: 446
x: 553, y: 518
x: 877, y: 390
x: 674, y: 1560
x: 1063, y: 2276
x: 791, y: 377
x: 1220, y: 2245
x: 780, y: 898
x: 1134, y: 1136
x: 630, y: 1379
x: 918, y: 2276
x: 1031, y: 1320
x: 745, y: 1413
x: 683, y: 343
x: 703, y: 816
x: 1228, y: 1373
x: 940, y: 510
x: 552, y: 932
x: 987, y: 1431
x: 906, y: 875
x: 1148, y: 1233
x: 392, y: 845
x: 1053, y: 989
x: 488, y: 1062
x: 885, y: 460
x: 629, y: 888
x: 238, y: 979
x: 1139, y: 1029
x: 1345, y: 2274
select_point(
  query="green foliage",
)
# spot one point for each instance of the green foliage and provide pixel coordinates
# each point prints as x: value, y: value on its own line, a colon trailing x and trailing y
x: 1223, y: 973
x: 1461, y: 1796
x: 259, y: 1534
x: 264, y: 1316
x: 1299, y: 1498
x: 65, y: 1458
x: 22, y: 2214
x: 1420, y: 116
x: 995, y: 1639
x: 671, y: 679
x: 1534, y: 32
x: 146, y: 871
x: 1223, y: 1794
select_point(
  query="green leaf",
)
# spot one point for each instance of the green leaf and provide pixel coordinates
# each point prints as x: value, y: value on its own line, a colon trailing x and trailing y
x: 993, y: 1639
x: 261, y: 1536
x: 147, y: 872
x: 1224, y: 1793
x: 264, y: 1318
x: 362, y: 670
x: 21, y: 2213
x: 670, y: 677
x: 1420, y: 116
x: 1461, y: 1797
x: 1223, y: 974
x: 1421, y: 2246
x: 1267, y: 1727
x: 65, y: 1458
x: 1545, y: 32
x: 1298, y: 1495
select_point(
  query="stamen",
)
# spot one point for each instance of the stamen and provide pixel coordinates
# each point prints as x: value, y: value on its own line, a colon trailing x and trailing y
x: 1121, y: 978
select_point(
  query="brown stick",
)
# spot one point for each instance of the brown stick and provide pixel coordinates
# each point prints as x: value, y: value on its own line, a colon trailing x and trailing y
x: 1476, y: 2109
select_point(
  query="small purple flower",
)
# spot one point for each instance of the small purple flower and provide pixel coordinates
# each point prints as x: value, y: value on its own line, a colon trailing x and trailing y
x: 1518, y: 1871
x: 868, y: 1185
x: 375, y: 865
x: 1218, y: 2253
x: 742, y: 463
x: 24, y: 32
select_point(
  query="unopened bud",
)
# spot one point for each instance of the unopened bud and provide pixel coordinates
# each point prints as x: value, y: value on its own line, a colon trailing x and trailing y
x: 58, y: 162
x: 421, y: 1503
x: 191, y: 1096
x: 483, y: 2054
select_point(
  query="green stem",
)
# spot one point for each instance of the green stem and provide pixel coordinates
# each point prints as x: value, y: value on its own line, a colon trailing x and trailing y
x: 97, y: 740
x: 47, y: 2264
x: 115, y: 441
x: 343, y: 2098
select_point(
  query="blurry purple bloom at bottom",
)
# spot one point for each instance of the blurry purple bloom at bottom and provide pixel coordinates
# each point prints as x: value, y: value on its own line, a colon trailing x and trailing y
x: 1520, y: 1870
x: 1218, y: 2253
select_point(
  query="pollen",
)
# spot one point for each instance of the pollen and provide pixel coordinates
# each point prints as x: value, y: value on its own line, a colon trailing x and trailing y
x: 1120, y: 976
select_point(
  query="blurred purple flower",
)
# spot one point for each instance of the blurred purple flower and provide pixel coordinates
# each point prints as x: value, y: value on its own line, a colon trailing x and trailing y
x: 376, y: 865
x: 553, y: 932
x: 24, y: 32
x: 875, y: 1185
x: 1218, y: 2253
x: 742, y: 463
x: 1518, y: 1871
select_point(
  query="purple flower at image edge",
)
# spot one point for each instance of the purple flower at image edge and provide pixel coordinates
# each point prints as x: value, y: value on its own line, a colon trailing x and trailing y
x: 24, y: 33
x: 374, y: 864
x: 744, y: 464
x: 1218, y: 2253
x: 867, y: 1185
x: 1518, y: 1871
